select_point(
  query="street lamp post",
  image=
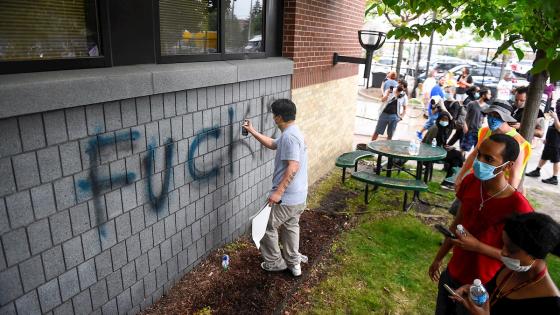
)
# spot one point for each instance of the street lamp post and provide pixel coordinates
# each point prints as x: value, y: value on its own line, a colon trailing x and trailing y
x: 370, y: 41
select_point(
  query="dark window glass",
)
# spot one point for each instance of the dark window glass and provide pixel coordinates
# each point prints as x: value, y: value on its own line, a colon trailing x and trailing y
x: 188, y: 27
x: 48, y: 29
x: 244, y: 26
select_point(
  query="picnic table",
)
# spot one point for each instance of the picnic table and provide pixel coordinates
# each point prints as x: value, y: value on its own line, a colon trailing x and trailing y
x: 398, y: 149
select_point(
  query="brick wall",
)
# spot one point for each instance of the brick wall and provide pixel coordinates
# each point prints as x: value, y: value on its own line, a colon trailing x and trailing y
x: 326, y: 117
x: 104, y: 207
x: 314, y: 30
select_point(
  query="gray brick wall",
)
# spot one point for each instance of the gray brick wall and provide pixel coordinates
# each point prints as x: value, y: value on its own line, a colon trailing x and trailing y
x: 104, y: 206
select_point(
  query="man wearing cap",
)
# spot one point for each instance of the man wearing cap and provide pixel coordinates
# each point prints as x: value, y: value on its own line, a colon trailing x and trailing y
x: 499, y: 115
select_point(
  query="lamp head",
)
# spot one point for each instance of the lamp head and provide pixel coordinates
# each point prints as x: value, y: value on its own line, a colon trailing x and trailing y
x: 371, y: 40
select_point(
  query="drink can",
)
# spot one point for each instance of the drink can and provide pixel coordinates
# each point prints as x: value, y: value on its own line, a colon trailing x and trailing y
x: 225, y: 262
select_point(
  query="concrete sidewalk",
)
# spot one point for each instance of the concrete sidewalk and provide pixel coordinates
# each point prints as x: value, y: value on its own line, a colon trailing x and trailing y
x: 547, y: 196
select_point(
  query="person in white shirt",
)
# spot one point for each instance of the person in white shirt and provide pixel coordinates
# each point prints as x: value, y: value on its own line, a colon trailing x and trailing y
x: 505, y: 87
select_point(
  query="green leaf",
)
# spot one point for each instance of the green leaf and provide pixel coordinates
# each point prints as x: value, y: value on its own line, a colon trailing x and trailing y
x: 519, y: 52
x: 497, y: 35
x: 540, y: 65
x: 554, y: 70
x: 379, y: 10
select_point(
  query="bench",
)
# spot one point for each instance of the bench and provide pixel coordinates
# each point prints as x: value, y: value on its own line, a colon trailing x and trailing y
x: 350, y: 159
x: 451, y: 179
x: 389, y: 182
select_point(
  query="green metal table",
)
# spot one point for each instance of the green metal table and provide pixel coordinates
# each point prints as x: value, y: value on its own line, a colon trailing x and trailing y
x: 399, y: 149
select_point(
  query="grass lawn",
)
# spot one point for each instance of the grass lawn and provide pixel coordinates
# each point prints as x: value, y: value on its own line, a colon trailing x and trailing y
x: 381, y: 265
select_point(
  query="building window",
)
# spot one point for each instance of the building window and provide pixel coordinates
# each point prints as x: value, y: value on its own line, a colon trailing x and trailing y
x: 47, y: 30
x: 244, y: 26
x: 188, y: 27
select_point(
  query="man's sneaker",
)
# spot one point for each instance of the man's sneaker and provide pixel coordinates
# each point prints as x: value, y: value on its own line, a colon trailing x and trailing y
x: 296, y: 270
x: 535, y: 173
x: 553, y: 180
x: 447, y: 185
x: 302, y: 258
x: 272, y: 268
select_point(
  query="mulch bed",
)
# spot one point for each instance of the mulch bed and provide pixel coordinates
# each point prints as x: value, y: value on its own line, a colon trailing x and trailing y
x: 245, y: 288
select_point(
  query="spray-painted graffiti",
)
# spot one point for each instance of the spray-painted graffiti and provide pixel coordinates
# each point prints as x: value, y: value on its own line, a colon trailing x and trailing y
x: 97, y: 185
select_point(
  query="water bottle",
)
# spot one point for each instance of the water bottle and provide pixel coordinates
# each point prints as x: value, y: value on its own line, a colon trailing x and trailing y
x: 478, y: 293
x: 411, y: 149
x: 461, y: 230
x: 416, y: 147
x: 225, y: 262
x: 434, y: 143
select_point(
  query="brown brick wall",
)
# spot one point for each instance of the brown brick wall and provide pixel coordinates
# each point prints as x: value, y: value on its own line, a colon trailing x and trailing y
x: 314, y: 30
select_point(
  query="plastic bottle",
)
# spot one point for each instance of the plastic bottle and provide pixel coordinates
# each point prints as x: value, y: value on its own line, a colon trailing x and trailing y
x: 434, y: 143
x: 478, y: 293
x: 416, y: 147
x: 225, y: 262
x: 411, y: 147
x: 461, y: 229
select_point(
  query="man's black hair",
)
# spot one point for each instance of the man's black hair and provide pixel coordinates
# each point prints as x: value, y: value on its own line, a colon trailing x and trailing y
x: 467, y: 70
x: 285, y: 108
x: 403, y: 83
x: 471, y: 90
x: 522, y: 90
x: 511, y: 149
x: 483, y: 92
x: 536, y: 233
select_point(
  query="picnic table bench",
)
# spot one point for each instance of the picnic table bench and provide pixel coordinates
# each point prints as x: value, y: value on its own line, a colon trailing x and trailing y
x: 350, y: 159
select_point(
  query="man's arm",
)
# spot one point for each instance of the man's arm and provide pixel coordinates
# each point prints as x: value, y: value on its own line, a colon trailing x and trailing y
x: 466, y: 167
x: 287, y: 177
x: 264, y: 140
x: 385, y: 95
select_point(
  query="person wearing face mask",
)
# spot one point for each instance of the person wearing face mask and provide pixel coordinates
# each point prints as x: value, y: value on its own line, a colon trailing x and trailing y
x: 487, y: 199
x: 473, y: 120
x: 498, y: 118
x: 523, y: 285
x: 518, y: 104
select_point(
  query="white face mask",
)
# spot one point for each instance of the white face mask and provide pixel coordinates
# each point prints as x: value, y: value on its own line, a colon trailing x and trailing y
x: 515, y: 264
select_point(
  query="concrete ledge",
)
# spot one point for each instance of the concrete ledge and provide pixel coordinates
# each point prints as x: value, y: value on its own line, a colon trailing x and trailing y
x: 253, y: 69
x: 28, y: 93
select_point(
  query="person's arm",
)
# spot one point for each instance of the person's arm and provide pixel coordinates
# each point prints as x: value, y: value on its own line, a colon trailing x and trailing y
x: 556, y: 121
x: 470, y: 243
x: 466, y: 167
x: 539, y: 127
x: 516, y: 173
x: 264, y: 140
x: 386, y: 95
x: 435, y: 268
x: 287, y: 177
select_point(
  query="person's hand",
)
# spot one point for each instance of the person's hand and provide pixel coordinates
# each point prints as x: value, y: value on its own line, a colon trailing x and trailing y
x: 435, y: 270
x: 466, y: 241
x: 248, y: 126
x: 463, y: 298
x: 447, y: 147
x: 554, y: 115
x: 465, y: 129
x: 274, y: 198
x: 515, y: 125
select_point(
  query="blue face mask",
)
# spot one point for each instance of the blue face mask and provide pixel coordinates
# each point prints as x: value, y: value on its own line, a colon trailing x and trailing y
x: 485, y: 171
x: 494, y: 123
x: 476, y: 95
x: 443, y: 123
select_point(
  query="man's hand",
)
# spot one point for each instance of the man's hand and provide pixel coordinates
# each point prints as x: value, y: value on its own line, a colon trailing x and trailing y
x: 467, y: 241
x: 247, y: 125
x: 463, y: 298
x: 274, y: 198
x: 515, y: 125
x: 435, y: 270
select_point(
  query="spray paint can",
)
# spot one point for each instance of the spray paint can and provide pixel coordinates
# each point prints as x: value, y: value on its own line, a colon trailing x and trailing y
x: 461, y: 230
x: 225, y: 262
x: 244, y: 131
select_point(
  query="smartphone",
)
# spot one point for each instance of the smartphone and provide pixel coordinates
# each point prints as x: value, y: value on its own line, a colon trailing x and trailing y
x: 445, y: 231
x: 451, y: 291
x: 391, y: 88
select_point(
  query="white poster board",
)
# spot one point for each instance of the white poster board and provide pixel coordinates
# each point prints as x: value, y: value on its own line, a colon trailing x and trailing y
x: 259, y: 223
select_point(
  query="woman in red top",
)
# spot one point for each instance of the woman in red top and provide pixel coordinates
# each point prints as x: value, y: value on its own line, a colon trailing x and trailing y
x: 487, y: 199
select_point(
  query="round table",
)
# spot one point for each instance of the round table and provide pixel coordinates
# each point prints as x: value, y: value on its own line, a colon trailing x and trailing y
x: 399, y: 149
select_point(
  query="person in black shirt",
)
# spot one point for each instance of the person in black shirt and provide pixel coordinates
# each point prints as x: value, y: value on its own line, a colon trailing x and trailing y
x: 518, y: 105
x: 551, y: 151
x: 464, y: 81
x: 524, y: 286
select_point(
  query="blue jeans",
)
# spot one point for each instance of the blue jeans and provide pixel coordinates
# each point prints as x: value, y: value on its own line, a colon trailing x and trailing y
x: 388, y: 121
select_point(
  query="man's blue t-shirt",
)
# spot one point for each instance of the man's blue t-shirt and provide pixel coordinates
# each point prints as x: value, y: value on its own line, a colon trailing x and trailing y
x: 290, y: 146
x: 388, y: 83
x: 437, y: 90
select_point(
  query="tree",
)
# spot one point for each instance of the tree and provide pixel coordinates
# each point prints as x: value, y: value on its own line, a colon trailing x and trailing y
x: 256, y: 19
x: 515, y: 21
x: 396, y: 15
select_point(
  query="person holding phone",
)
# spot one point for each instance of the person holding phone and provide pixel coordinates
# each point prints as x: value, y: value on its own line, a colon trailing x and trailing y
x: 289, y: 190
x: 523, y: 285
x: 487, y: 199
x: 551, y: 151
x: 393, y: 109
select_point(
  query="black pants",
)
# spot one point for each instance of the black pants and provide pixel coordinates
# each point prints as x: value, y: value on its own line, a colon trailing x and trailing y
x: 445, y: 305
x: 457, y: 136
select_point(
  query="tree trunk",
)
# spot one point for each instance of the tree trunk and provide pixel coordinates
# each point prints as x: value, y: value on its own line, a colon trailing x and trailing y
x: 534, y: 94
x: 399, y: 57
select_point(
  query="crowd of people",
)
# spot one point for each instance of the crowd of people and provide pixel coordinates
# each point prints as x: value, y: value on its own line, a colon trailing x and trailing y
x: 503, y: 242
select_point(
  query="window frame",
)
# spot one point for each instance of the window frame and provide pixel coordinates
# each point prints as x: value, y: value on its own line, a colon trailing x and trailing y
x: 219, y: 56
x: 272, y: 11
x: 23, y: 66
